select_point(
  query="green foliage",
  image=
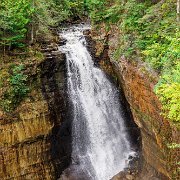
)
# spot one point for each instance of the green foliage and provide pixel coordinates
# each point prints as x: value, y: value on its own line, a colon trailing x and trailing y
x: 96, y: 9
x: 163, y: 55
x: 148, y: 30
x: 22, y: 22
x: 129, y: 26
x: 14, y: 17
x: 103, y: 11
x: 76, y: 7
x: 17, y: 91
x: 159, y: 44
x: 20, y: 18
x: 173, y: 146
x: 52, y: 12
x: 168, y: 90
x: 162, y: 52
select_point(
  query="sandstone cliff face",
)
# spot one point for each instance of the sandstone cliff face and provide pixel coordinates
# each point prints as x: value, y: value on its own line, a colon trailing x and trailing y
x: 35, y: 141
x: 32, y: 144
x: 138, y: 85
x: 24, y: 144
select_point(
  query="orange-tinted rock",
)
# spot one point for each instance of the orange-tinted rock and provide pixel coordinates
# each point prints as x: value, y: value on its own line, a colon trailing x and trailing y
x: 138, y: 85
x: 32, y: 144
x: 24, y: 146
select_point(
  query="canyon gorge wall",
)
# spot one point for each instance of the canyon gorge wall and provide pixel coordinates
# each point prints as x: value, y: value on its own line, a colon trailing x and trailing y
x: 35, y: 140
x: 137, y: 83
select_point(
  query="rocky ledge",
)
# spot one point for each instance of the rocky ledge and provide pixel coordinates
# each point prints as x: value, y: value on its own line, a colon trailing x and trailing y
x: 137, y: 83
x: 35, y: 140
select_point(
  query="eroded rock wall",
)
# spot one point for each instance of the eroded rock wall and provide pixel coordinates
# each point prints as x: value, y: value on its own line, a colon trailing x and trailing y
x: 24, y: 144
x: 35, y: 139
x: 138, y: 84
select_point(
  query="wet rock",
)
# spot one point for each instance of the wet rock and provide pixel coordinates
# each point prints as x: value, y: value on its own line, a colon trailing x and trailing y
x: 125, y: 175
x: 137, y: 83
x: 129, y: 177
x: 62, y: 42
x: 35, y: 140
x: 75, y: 172
x: 86, y: 32
x: 56, y: 53
x: 54, y: 91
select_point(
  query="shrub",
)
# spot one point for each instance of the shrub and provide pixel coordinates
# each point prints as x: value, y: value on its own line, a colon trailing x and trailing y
x: 17, y: 91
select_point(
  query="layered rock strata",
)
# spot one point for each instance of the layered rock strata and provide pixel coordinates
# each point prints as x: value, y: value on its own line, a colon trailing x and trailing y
x: 35, y: 140
x: 137, y: 83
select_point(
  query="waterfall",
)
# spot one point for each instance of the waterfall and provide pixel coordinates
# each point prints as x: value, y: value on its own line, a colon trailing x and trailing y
x: 100, y: 143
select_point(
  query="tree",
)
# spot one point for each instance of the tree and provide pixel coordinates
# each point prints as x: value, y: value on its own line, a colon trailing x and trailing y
x: 14, y: 17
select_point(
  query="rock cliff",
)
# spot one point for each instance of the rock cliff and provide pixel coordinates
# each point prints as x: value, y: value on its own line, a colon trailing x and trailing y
x: 137, y: 83
x: 35, y: 140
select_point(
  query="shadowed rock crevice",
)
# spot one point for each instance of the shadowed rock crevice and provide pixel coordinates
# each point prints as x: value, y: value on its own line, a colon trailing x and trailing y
x: 132, y: 129
x: 102, y: 60
x: 54, y: 89
x: 53, y: 80
x: 100, y: 51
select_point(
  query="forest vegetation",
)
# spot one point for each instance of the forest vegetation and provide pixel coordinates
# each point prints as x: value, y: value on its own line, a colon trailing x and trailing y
x: 149, y: 30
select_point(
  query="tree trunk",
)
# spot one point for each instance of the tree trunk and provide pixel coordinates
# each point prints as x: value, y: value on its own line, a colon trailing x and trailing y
x: 178, y: 9
x: 4, y: 44
x: 32, y: 33
x: 32, y: 26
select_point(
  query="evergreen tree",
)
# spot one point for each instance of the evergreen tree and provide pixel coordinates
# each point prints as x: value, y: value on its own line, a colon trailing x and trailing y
x: 14, y: 18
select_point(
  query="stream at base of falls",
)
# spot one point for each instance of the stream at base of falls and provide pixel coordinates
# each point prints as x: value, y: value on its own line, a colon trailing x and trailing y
x: 100, y: 143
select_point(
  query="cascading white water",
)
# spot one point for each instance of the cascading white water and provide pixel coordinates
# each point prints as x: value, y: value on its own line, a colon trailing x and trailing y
x: 100, y: 143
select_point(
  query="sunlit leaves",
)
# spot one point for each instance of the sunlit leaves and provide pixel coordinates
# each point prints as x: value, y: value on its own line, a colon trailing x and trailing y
x: 168, y: 90
x: 14, y: 15
x: 151, y: 31
x: 18, y: 89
